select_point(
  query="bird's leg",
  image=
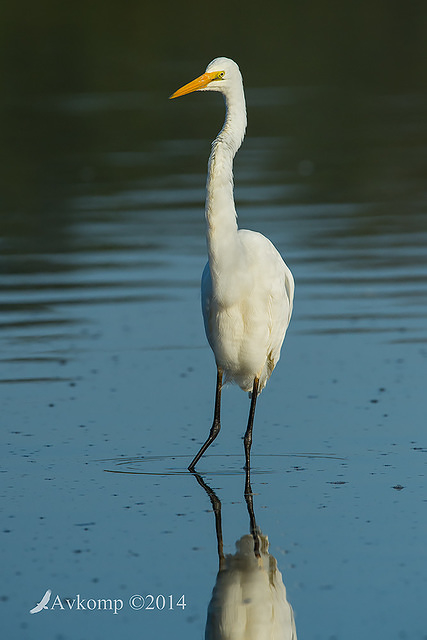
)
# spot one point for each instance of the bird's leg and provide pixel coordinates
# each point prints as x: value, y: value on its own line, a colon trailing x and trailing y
x: 216, y: 425
x: 248, y: 435
x: 249, y: 497
x: 216, y: 505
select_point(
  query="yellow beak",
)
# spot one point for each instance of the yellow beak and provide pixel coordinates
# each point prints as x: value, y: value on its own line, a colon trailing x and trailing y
x: 199, y: 83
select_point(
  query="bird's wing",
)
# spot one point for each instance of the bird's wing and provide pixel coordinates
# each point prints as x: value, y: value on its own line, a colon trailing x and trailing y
x: 206, y: 290
x: 277, y: 284
x: 280, y: 311
x: 290, y: 289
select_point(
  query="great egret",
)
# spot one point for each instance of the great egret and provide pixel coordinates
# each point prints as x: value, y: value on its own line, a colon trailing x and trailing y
x: 247, y: 289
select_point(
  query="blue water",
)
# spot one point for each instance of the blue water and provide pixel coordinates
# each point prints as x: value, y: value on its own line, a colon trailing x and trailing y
x: 107, y: 382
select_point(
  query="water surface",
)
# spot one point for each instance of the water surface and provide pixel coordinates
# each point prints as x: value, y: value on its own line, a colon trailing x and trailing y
x: 107, y: 381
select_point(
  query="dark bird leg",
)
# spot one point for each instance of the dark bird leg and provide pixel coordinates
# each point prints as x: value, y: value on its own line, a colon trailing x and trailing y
x: 216, y: 505
x: 216, y: 426
x: 248, y: 435
x: 249, y: 497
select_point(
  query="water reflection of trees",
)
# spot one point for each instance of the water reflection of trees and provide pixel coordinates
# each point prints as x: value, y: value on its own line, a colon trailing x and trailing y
x: 360, y: 145
x: 103, y: 46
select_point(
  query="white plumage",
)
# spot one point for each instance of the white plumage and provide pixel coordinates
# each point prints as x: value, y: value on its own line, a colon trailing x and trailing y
x: 246, y: 325
x: 247, y: 289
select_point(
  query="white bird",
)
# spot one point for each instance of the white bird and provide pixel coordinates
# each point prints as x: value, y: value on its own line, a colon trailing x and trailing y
x: 247, y: 289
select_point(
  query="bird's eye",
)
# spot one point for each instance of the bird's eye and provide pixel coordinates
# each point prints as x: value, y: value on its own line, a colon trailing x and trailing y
x: 221, y: 74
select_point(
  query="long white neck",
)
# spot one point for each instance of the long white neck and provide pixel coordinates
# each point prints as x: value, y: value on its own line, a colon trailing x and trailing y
x: 220, y: 210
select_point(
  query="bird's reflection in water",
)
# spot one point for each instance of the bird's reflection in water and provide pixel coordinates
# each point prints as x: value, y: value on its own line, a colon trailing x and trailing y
x: 249, y: 598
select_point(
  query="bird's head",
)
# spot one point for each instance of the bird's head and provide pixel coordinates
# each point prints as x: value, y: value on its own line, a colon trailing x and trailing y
x: 221, y: 74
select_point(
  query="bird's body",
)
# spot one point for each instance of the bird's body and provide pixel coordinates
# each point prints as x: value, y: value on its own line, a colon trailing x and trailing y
x: 247, y: 289
x: 241, y: 324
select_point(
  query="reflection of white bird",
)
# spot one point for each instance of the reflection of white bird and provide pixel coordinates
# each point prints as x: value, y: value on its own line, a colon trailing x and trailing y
x: 249, y: 598
x: 247, y: 289
x: 43, y: 602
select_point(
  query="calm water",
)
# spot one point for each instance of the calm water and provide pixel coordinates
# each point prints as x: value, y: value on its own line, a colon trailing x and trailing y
x: 107, y: 382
